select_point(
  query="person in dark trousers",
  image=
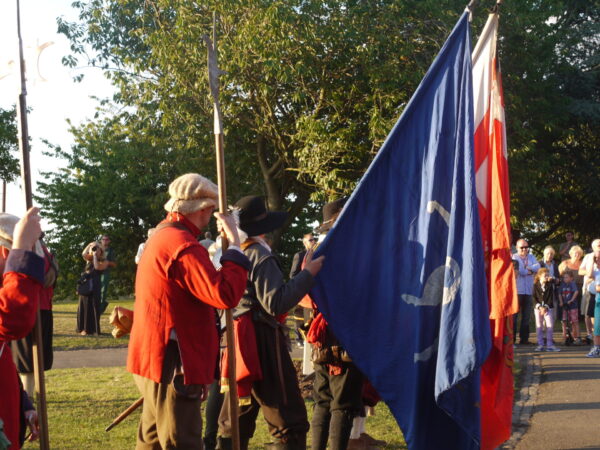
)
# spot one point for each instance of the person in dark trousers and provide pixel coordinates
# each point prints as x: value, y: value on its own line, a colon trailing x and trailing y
x: 338, y: 382
x: 301, y: 315
x: 269, y: 381
x: 308, y: 240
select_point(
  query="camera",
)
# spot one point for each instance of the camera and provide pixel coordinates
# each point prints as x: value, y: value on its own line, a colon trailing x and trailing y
x: 94, y: 248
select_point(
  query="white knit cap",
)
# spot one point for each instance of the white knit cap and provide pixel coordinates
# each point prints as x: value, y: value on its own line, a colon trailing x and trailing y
x: 7, y: 228
x: 191, y: 192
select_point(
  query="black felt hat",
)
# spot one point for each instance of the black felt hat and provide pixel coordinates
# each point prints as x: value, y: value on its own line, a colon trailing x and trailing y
x: 330, y: 213
x: 254, y: 217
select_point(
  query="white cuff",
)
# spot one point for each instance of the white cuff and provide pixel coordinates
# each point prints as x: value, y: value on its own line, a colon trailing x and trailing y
x: 236, y: 248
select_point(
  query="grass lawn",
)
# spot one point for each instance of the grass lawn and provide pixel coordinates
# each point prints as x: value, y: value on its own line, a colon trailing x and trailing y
x: 65, y: 322
x: 83, y: 402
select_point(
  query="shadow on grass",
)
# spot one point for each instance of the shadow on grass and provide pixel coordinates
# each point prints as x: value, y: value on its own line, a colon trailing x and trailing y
x: 102, y: 405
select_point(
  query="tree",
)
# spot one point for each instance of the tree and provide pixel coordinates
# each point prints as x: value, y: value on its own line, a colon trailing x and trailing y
x: 9, y: 165
x: 312, y: 87
x: 115, y: 182
x: 549, y: 56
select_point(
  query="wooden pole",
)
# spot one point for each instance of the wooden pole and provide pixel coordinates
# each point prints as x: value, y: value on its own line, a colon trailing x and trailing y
x: 38, y: 359
x: 213, y: 76
x: 121, y: 417
x: 3, y: 195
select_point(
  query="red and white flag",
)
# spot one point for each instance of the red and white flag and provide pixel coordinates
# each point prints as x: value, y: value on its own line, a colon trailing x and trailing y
x: 491, y: 174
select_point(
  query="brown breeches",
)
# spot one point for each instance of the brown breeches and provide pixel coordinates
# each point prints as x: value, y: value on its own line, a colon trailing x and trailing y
x: 170, y: 419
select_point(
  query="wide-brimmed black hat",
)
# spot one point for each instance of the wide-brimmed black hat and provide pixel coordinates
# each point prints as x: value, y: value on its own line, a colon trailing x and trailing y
x: 254, y: 217
x: 330, y: 213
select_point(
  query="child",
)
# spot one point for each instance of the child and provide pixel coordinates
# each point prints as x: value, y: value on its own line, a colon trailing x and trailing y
x: 543, y: 294
x: 594, y: 289
x: 567, y: 296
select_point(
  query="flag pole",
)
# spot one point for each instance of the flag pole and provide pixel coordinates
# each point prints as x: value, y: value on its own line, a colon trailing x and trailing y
x: 38, y: 359
x: 213, y: 78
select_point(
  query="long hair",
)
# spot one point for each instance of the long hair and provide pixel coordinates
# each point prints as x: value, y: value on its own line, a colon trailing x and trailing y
x: 539, y: 274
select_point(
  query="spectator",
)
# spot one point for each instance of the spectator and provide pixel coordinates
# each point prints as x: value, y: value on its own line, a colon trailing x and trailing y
x: 174, y: 343
x: 307, y: 241
x: 527, y: 267
x: 207, y: 241
x: 573, y: 264
x: 594, y: 288
x: 587, y: 269
x: 88, y: 309
x: 109, y: 257
x: 565, y: 247
x: 568, y: 294
x: 544, y: 296
x: 141, y: 247
x: 22, y: 281
x: 549, y: 263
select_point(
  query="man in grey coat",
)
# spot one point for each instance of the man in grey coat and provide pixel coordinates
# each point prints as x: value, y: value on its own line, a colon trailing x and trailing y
x: 265, y: 302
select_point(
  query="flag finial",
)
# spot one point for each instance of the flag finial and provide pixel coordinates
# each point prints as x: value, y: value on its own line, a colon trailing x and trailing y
x: 470, y: 7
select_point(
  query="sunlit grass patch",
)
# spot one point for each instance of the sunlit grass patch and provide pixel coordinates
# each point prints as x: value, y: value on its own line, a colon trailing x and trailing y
x: 65, y: 324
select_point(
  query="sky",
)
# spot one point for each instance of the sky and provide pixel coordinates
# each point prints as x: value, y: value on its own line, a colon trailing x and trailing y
x: 53, y: 101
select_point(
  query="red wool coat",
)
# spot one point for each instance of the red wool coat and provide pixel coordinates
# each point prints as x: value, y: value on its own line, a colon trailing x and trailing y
x: 19, y: 294
x: 177, y: 288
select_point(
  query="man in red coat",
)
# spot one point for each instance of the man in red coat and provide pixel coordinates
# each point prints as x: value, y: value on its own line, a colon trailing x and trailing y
x: 174, y: 342
x: 23, y: 276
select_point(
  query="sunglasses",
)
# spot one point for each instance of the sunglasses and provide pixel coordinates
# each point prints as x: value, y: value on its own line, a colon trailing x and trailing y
x: 524, y: 247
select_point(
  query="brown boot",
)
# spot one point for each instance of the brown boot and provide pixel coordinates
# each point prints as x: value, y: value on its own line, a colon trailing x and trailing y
x: 356, y: 444
x: 370, y: 441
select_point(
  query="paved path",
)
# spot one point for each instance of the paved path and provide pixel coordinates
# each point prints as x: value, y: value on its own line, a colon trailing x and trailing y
x: 101, y: 357
x: 563, y: 408
x: 105, y: 357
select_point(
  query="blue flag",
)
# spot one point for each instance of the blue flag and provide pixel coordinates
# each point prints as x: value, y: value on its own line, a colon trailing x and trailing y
x: 403, y: 284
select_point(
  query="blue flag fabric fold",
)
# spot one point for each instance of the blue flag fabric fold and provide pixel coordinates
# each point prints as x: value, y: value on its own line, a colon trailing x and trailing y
x: 403, y: 285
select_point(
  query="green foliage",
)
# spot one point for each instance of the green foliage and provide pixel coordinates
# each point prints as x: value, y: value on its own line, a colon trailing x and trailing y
x: 549, y: 55
x: 9, y: 165
x: 115, y: 182
x: 310, y: 91
x: 311, y: 88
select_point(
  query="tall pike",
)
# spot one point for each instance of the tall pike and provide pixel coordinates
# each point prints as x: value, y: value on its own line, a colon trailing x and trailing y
x: 38, y: 361
x: 213, y: 78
